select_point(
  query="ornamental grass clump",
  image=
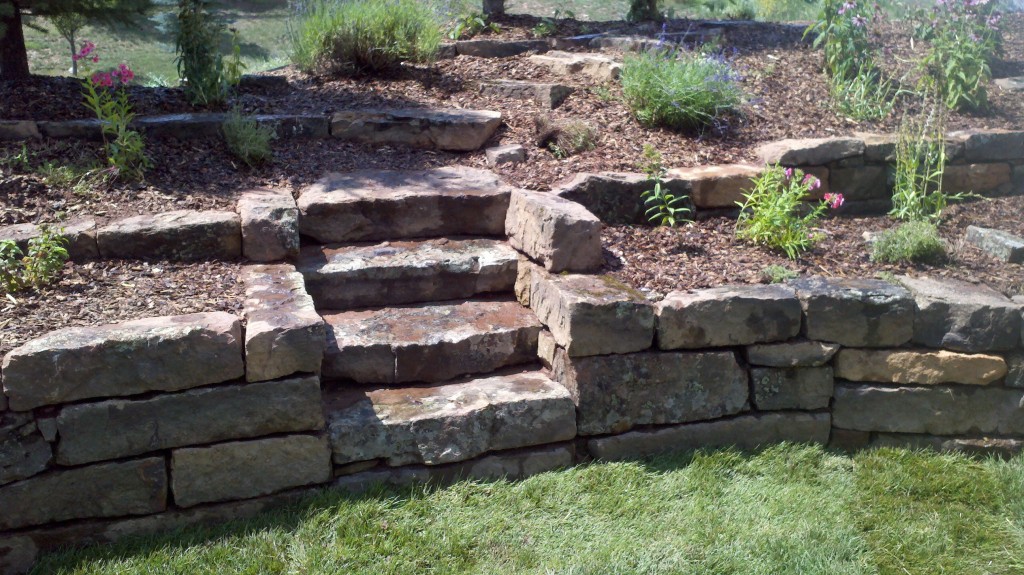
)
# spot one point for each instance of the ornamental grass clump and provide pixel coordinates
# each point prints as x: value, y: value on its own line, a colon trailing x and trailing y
x: 681, y: 90
x: 777, y: 215
x: 363, y: 36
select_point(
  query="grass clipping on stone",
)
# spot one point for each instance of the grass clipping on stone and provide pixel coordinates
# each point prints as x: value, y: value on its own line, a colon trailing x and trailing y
x: 786, y: 510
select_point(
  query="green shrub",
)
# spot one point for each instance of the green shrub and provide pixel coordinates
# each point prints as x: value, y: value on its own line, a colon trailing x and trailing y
x: 247, y: 139
x: 207, y: 79
x: 363, y: 36
x: 681, y: 91
x: 471, y: 24
x: 910, y: 242
x: 46, y: 256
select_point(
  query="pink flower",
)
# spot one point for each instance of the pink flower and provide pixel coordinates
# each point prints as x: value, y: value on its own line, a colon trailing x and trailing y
x: 95, y: 59
x: 124, y: 74
x: 103, y: 79
x: 834, y: 200
x: 789, y: 173
x: 811, y: 182
x: 86, y: 49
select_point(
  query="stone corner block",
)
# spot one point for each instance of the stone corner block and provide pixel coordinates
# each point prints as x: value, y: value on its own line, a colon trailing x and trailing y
x: 856, y: 312
x: 717, y: 186
x: 592, y: 315
x: 183, y: 235
x: 725, y: 316
x: 997, y: 243
x: 559, y: 233
x: 270, y: 225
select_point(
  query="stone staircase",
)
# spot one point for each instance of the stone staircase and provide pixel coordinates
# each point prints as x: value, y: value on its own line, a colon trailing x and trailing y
x: 429, y: 359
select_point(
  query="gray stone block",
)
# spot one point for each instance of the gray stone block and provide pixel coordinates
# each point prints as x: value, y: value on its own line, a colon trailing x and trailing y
x: 856, y: 312
x: 182, y: 235
x: 727, y: 316
x: 23, y: 450
x: 997, y: 243
x: 791, y: 354
x: 810, y: 151
x: 792, y: 388
x: 270, y: 226
x: 452, y: 130
x: 959, y: 316
x: 558, y: 233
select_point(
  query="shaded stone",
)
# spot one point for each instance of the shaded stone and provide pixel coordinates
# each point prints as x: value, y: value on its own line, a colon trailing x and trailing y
x: 399, y: 272
x: 120, y: 428
x: 1015, y: 369
x: 991, y: 145
x: 448, y: 423
x: 594, y: 66
x: 284, y: 334
x: 16, y: 130
x: 743, y: 432
x: 546, y: 96
x: 918, y: 367
x: 23, y: 450
x: 997, y: 243
x: 1015, y: 84
x: 295, y: 126
x: 181, y: 126
x: 17, y: 555
x: 135, y: 487
x: 80, y: 234
x: 858, y: 184
x: 939, y: 410
x: 856, y: 312
x: 152, y: 354
x: 372, y: 205
x: 976, y: 178
x: 792, y: 354
x: 729, y: 315
x: 250, y: 82
x: 717, y: 186
x: 245, y: 469
x: 809, y: 151
x: 494, y: 7
x: 960, y: 316
x: 560, y: 234
x: 487, y: 48
x: 792, y: 388
x: 879, y: 148
x: 450, y: 130
x: 614, y: 393
x: 617, y: 198
x: 428, y: 343
x: 510, y: 154
x: 48, y: 427
x: 848, y: 440
x: 592, y: 315
x: 1005, y: 448
x: 88, y: 129
x: 270, y: 225
x: 182, y: 235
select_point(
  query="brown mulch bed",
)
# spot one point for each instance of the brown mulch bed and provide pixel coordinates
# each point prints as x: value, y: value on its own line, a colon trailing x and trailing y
x: 111, y: 291
x: 707, y: 253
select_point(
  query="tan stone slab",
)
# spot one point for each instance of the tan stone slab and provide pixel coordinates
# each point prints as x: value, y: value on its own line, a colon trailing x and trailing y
x: 918, y: 367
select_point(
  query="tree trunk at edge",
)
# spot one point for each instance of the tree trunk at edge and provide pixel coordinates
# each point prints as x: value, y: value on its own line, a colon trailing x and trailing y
x: 13, y: 56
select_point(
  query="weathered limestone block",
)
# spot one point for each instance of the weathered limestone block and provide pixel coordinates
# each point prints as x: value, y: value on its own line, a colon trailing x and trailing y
x: 81, y: 236
x: 960, y: 316
x: 614, y: 393
x: 284, y: 334
x: 792, y: 388
x: 991, y: 145
x: 730, y: 315
x: 743, y: 432
x: 295, y: 126
x: 792, y: 354
x: 717, y: 186
x: 119, y: 428
x: 547, y: 96
x: 810, y: 151
x: 179, y: 235
x: 856, y: 312
x: 487, y: 48
x: 152, y: 354
x: 879, y: 148
x: 452, y: 130
x: 136, y: 487
x: 270, y: 225
x: 448, y: 423
x: 860, y: 183
x: 510, y: 154
x: 17, y: 555
x: 976, y: 178
x: 592, y: 315
x: 559, y: 233
x: 16, y: 130
x: 595, y: 66
x: 181, y: 126
x: 617, y: 198
x: 547, y: 347
x: 428, y: 343
x: 369, y: 205
x: 23, y: 450
x: 936, y: 410
x: 1015, y: 369
x: 918, y: 367
x: 244, y: 469
x: 519, y: 465
x: 997, y: 243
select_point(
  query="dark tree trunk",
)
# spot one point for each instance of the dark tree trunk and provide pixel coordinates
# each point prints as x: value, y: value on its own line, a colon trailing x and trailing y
x: 13, y: 57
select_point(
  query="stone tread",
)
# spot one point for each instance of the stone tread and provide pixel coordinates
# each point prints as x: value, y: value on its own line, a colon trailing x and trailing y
x: 428, y: 343
x: 402, y: 272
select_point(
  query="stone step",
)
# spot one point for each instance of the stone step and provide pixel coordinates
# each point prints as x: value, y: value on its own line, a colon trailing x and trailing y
x: 454, y: 130
x: 369, y: 205
x: 448, y: 423
x: 428, y: 343
x: 391, y: 273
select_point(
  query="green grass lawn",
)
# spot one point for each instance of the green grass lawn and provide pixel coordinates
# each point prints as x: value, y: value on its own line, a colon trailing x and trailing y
x: 789, y: 509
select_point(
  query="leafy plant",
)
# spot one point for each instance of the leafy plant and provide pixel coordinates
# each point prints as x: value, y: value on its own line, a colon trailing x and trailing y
x: 469, y: 25
x: 680, y: 90
x: 663, y: 207
x: 964, y: 38
x: 910, y: 242
x: 45, y: 258
x: 247, y: 139
x: 68, y: 25
x: 775, y: 273
x: 775, y: 213
x: 363, y: 36
x: 865, y: 96
x: 200, y: 63
x: 549, y: 26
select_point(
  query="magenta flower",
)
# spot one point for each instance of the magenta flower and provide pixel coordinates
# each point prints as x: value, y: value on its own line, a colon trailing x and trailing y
x: 789, y: 173
x: 104, y: 79
x: 811, y: 182
x: 834, y: 200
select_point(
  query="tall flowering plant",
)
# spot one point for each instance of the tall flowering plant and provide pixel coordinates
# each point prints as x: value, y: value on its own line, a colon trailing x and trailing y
x: 964, y: 36
x: 842, y: 30
x: 106, y: 96
x: 776, y: 213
